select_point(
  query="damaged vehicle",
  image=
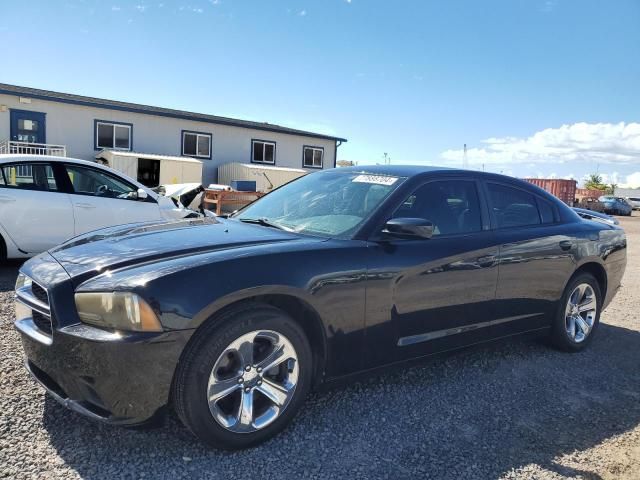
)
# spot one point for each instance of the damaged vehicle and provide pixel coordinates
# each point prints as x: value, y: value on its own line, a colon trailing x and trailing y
x: 188, y: 194
x: 46, y: 200
x: 232, y: 321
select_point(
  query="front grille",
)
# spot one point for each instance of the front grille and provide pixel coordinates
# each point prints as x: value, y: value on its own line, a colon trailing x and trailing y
x: 36, y: 299
x: 42, y: 322
x: 40, y: 293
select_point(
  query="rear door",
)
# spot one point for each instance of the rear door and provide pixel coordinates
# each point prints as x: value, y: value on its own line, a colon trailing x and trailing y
x: 35, y: 212
x: 101, y: 199
x: 536, y: 255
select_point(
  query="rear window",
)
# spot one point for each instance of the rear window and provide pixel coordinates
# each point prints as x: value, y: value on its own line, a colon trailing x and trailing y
x: 546, y: 211
x: 513, y: 207
x: 28, y: 176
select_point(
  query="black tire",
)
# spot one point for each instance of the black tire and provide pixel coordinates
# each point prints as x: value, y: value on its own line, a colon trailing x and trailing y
x: 190, y: 385
x: 3, y: 251
x: 559, y: 336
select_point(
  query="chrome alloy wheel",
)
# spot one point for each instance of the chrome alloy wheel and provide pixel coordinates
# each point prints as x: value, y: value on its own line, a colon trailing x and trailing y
x: 580, y: 312
x: 253, y: 381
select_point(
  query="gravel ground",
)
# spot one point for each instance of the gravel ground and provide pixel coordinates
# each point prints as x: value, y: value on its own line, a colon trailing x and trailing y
x: 508, y: 410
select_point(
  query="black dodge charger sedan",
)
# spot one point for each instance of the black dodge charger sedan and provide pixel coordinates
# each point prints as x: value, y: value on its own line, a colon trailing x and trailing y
x: 231, y: 321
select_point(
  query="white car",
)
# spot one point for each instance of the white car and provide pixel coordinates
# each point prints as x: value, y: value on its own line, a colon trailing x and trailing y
x: 46, y: 200
x: 634, y: 202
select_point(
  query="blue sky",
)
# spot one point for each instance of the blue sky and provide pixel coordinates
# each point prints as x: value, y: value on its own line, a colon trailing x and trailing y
x: 533, y: 87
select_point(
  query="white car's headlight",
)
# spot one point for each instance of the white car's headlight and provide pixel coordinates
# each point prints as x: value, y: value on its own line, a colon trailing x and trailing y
x: 117, y: 310
x: 23, y: 281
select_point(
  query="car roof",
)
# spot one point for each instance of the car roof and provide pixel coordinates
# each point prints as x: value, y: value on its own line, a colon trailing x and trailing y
x: 396, y: 170
x: 11, y: 157
x: 419, y: 170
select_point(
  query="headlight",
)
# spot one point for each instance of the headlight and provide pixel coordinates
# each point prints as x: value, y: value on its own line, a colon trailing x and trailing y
x: 23, y: 281
x: 117, y: 310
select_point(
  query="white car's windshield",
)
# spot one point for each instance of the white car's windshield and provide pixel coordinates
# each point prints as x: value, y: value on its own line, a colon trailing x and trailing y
x: 329, y: 204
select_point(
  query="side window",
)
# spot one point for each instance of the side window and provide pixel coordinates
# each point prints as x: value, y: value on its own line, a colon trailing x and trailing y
x: 29, y: 176
x: 452, y: 206
x: 513, y: 207
x: 88, y: 181
x: 546, y: 211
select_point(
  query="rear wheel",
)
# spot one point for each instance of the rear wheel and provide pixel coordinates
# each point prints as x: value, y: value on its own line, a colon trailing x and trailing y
x: 244, y: 377
x: 578, y: 314
x: 3, y: 251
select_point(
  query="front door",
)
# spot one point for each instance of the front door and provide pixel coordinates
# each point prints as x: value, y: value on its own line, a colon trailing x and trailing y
x: 429, y: 295
x: 28, y: 127
x: 100, y: 199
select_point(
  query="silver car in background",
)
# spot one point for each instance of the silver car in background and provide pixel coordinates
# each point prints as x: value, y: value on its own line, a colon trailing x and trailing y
x: 634, y: 202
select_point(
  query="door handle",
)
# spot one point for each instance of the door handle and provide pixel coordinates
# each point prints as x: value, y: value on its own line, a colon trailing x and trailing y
x: 5, y: 199
x: 566, y: 244
x: 486, y: 261
x: 85, y: 205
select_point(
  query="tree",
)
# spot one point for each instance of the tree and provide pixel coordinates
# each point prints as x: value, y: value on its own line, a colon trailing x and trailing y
x: 595, y: 183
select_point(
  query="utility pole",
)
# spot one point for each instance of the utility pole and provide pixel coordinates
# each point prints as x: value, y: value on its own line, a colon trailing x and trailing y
x: 465, y: 160
x: 387, y: 159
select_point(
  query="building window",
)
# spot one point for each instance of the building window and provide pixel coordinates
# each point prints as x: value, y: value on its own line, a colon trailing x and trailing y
x: 196, y: 144
x: 312, y: 157
x: 113, y: 135
x: 263, y: 152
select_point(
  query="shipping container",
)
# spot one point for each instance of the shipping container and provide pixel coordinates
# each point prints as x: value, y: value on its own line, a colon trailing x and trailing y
x: 564, y: 189
x: 588, y: 193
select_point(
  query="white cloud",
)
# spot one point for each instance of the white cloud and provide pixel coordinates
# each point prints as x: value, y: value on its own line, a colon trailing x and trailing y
x: 632, y: 181
x: 548, y: 6
x: 141, y: 8
x: 302, y: 13
x: 115, y: 8
x: 596, y: 143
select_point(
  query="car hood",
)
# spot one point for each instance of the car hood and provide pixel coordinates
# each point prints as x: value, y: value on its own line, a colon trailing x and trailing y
x: 117, y: 247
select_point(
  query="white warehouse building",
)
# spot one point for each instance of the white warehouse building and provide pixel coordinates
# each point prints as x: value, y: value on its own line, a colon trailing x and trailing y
x: 46, y: 122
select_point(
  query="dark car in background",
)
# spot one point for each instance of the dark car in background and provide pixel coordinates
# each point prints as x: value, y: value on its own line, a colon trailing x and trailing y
x: 615, y: 205
x: 232, y: 321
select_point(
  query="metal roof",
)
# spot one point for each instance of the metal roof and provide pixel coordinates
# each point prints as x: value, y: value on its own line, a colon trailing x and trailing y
x: 150, y: 110
x: 110, y: 153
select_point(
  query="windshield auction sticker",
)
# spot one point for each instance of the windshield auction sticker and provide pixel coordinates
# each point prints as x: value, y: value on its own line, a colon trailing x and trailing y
x: 377, y: 179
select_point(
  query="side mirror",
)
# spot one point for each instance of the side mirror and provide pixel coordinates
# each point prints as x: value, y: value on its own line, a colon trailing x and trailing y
x: 409, y: 228
x: 142, y: 194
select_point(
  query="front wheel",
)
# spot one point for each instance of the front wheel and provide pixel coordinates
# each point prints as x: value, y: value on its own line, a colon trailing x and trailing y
x: 244, y: 377
x: 578, y: 314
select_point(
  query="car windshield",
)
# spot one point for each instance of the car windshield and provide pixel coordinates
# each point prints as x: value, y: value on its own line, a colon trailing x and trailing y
x: 328, y: 204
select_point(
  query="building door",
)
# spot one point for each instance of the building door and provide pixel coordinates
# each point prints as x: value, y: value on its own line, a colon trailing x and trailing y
x: 28, y: 127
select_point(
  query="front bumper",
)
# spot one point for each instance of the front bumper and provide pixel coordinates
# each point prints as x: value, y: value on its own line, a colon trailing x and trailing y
x: 122, y: 379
